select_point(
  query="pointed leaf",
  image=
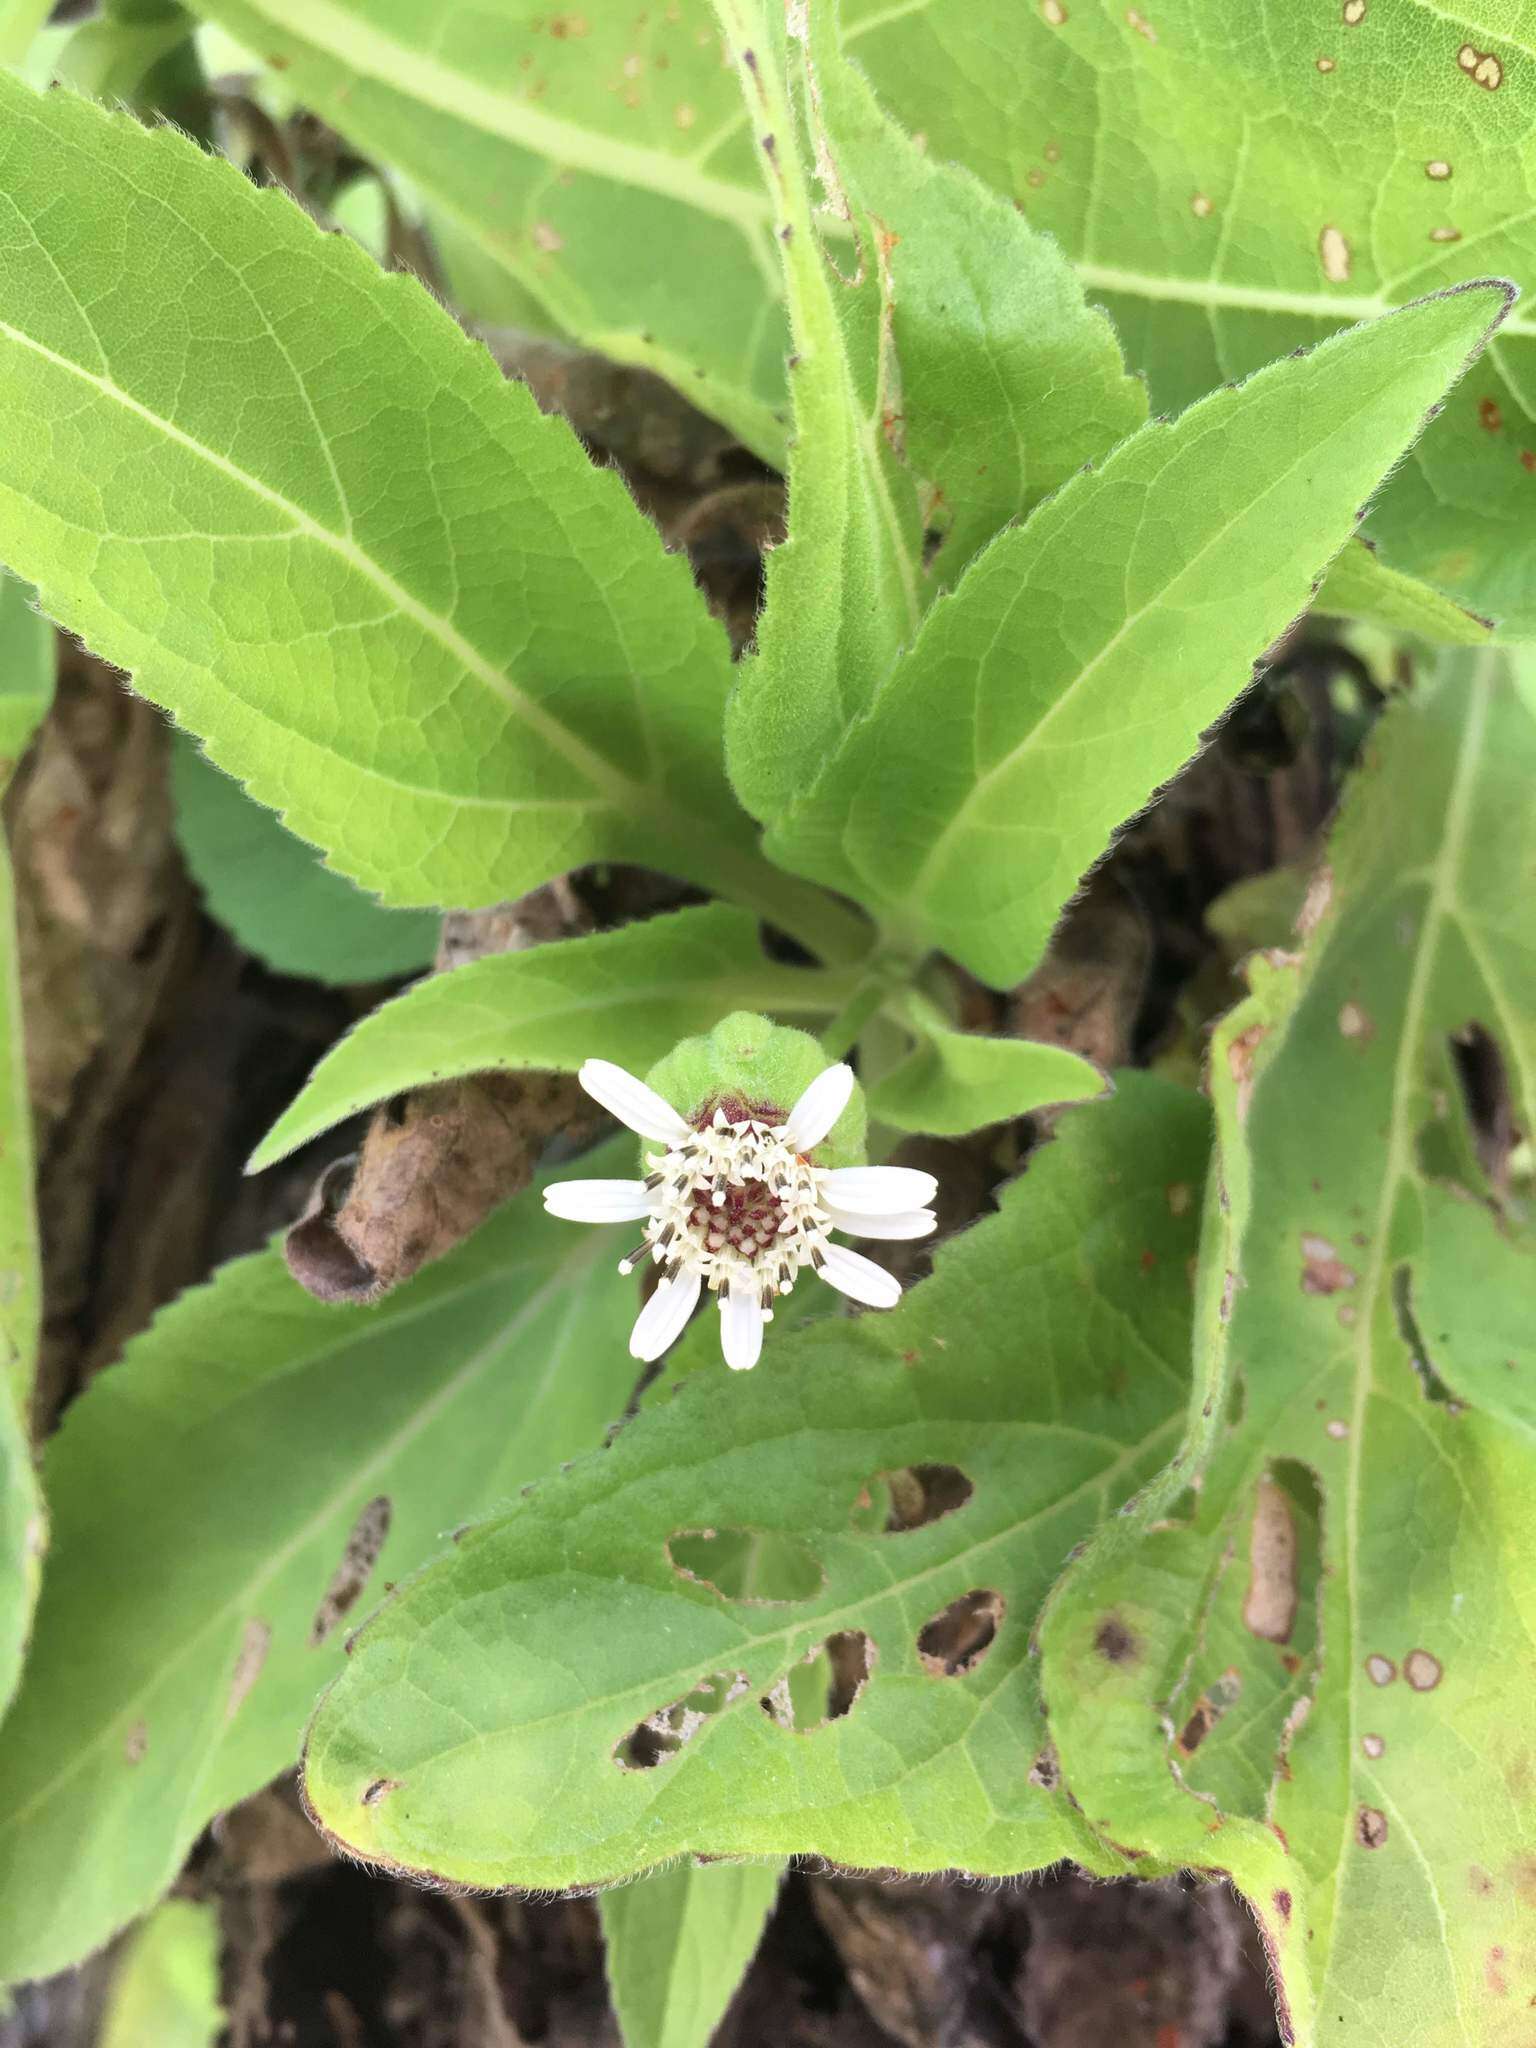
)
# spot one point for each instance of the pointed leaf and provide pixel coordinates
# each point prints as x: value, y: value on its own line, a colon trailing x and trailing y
x: 957, y: 1081
x: 1082, y: 656
x: 318, y: 525
x: 627, y: 995
x: 1314, y: 1673
x: 679, y: 1942
x: 228, y: 1499
x: 1237, y: 180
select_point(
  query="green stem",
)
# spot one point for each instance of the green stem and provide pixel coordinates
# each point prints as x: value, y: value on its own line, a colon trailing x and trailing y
x: 868, y: 996
x: 834, y: 931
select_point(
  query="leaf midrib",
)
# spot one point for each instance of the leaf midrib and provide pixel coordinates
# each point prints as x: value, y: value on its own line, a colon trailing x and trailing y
x: 608, y: 782
x: 360, y: 47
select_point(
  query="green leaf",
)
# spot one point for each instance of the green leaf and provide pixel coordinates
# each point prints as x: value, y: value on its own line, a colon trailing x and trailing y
x: 20, y: 22
x: 1042, y: 1367
x: 1235, y: 181
x: 165, y: 1988
x: 276, y: 895
x: 26, y: 672
x: 321, y: 528
x: 1008, y: 380
x: 596, y: 155
x: 26, y: 686
x: 1359, y: 585
x: 846, y: 589
x: 137, y: 53
x: 957, y: 1081
x: 217, y: 1505
x: 627, y: 995
x: 1081, y: 658
x: 1337, y: 1627
x: 679, y: 1943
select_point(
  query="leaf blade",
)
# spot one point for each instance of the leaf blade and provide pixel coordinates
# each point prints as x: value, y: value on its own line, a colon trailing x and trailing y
x: 678, y: 1943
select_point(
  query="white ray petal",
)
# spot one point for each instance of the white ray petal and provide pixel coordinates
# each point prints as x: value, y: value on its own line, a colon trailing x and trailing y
x: 599, y: 1201
x: 660, y: 1323
x: 908, y: 1223
x: 819, y: 1108
x: 632, y: 1102
x: 858, y: 1277
x: 878, y: 1190
x: 741, y: 1327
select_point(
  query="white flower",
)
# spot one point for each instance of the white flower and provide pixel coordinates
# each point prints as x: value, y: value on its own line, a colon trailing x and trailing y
x: 740, y: 1207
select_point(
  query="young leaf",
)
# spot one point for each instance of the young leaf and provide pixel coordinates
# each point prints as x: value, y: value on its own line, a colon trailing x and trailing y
x: 1359, y: 585
x: 1238, y: 180
x: 627, y: 995
x: 275, y: 894
x: 1009, y: 381
x: 957, y: 1081
x: 26, y: 685
x: 597, y: 156
x: 1083, y: 655
x: 1337, y: 1633
x: 319, y: 526
x: 620, y: 1689
x: 165, y: 1989
x: 679, y: 1942
x: 227, y: 1500
x: 846, y: 589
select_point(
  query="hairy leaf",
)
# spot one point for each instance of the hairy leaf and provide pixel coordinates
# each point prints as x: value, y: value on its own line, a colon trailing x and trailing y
x: 26, y: 686
x: 1083, y: 655
x: 1237, y: 180
x: 318, y: 525
x: 1008, y: 380
x: 596, y: 155
x: 165, y: 1989
x: 846, y: 589
x: 227, y: 1499
x: 679, y: 1942
x: 582, y: 1691
x: 1316, y: 1677
x: 956, y: 1081
x: 1359, y: 585
x: 276, y: 895
x: 627, y: 995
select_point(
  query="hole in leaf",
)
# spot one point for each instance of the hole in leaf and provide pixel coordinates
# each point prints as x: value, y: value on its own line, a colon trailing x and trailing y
x: 1208, y: 1710
x: 824, y: 1685
x: 760, y: 1567
x: 1478, y: 1063
x: 1431, y: 1385
x: 911, y: 1498
x: 661, y: 1735
x: 955, y: 1642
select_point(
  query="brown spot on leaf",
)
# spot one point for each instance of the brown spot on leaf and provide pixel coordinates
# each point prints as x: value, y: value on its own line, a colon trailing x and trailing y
x: 569, y: 27
x: 954, y: 1642
x: 1180, y: 1195
x: 1489, y: 418
x: 379, y: 1789
x: 1325, y: 65
x: 1136, y: 20
x: 1354, y: 13
x: 1380, y: 1670
x: 1354, y: 1022
x: 1437, y: 168
x: 1333, y: 253
x: 254, y: 1644
x: 1422, y: 1670
x: 1323, y: 1271
x: 1370, y: 1827
x: 1283, y: 1904
x: 1045, y: 1771
x: 136, y: 1743
x: 1053, y: 13
x: 1481, y: 66
x: 1493, y: 1973
x: 1269, y: 1606
x: 684, y: 115
x: 364, y: 1542
x: 1528, y: 461
x: 1445, y: 234
x: 1114, y: 1641
x: 1374, y: 1746
x: 1478, y: 1880
x: 1240, y: 1056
